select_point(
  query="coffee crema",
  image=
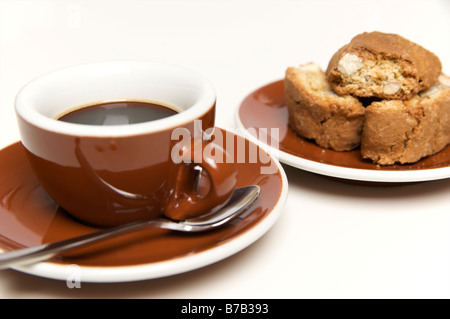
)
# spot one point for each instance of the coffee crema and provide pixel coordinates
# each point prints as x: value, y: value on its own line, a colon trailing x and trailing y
x: 118, y: 113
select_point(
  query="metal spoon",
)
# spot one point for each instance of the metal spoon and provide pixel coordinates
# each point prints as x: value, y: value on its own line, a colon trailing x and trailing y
x: 240, y: 200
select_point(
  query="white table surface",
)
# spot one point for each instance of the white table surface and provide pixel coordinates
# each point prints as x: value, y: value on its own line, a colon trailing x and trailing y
x: 333, y: 240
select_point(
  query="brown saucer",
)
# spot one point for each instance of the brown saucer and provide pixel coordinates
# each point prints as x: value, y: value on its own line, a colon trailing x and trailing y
x: 265, y: 108
x: 28, y: 216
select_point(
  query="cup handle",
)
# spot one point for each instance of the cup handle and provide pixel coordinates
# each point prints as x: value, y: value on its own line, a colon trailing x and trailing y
x: 200, y: 183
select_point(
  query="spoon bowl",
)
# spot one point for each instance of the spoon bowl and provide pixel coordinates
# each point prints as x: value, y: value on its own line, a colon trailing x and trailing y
x: 241, y: 199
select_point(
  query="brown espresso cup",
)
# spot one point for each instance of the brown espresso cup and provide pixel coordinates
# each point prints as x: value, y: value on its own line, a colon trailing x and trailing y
x: 107, y: 175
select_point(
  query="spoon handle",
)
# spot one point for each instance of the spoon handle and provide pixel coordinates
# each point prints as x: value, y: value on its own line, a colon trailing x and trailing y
x: 35, y: 254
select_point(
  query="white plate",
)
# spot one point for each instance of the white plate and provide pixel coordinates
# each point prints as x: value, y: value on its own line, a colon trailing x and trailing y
x: 269, y: 98
x: 17, y: 166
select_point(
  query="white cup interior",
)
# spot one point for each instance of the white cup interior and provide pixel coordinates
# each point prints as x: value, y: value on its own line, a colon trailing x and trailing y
x: 58, y: 92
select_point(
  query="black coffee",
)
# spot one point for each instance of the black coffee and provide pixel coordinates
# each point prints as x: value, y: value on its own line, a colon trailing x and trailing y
x: 118, y: 113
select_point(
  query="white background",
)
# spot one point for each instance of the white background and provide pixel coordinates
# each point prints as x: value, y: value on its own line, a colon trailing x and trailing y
x: 333, y: 240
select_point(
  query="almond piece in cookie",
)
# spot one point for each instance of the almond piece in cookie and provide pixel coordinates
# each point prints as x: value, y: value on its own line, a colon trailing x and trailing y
x: 317, y: 113
x: 382, y: 65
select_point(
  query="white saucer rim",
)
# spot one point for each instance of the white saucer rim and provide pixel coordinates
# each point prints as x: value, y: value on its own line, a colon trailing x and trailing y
x: 178, y: 265
x: 348, y: 173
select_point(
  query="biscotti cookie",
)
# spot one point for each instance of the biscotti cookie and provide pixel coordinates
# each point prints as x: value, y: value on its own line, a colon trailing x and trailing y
x: 382, y: 65
x: 397, y: 131
x: 317, y: 113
